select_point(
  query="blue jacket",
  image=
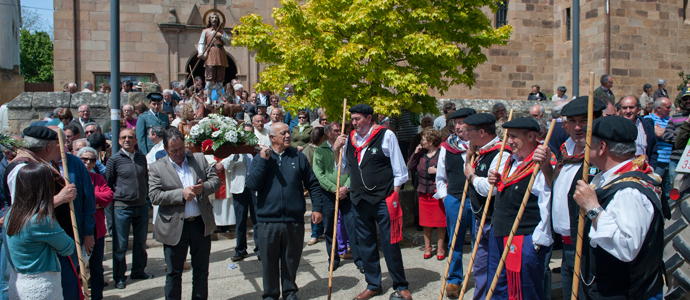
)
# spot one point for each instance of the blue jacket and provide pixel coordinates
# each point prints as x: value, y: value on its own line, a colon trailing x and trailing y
x: 33, y: 249
x: 85, y: 203
x: 278, y: 183
x: 144, y: 123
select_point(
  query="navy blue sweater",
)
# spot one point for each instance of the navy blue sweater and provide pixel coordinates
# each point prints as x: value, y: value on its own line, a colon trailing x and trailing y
x: 279, y: 183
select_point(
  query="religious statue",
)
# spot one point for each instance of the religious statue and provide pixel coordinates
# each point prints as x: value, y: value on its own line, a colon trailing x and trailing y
x: 211, y: 50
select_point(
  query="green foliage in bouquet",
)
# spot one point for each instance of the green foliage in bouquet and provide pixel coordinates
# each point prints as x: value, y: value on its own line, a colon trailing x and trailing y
x: 217, y: 130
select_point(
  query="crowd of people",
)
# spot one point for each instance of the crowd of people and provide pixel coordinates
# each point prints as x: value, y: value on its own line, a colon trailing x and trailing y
x: 449, y: 160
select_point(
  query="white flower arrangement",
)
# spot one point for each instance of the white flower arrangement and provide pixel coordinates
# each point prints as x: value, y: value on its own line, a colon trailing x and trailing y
x: 218, y: 130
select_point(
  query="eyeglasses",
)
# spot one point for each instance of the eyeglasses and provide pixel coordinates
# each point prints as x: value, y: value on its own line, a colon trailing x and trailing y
x: 127, y: 137
x: 90, y: 131
x: 301, y: 117
x: 88, y: 160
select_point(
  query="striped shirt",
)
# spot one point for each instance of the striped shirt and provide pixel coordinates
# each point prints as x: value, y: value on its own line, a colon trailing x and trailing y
x: 664, y: 148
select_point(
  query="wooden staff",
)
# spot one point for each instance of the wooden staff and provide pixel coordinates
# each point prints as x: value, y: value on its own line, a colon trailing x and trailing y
x: 75, y: 230
x: 203, y: 53
x: 585, y: 175
x: 535, y: 171
x: 455, y: 233
x: 486, y: 209
x: 337, y: 202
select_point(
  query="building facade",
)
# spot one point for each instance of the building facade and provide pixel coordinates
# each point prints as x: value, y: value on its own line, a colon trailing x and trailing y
x: 637, y: 42
x: 11, y: 82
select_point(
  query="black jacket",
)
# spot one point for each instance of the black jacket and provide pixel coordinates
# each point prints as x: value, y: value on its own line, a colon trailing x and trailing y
x: 652, y: 148
x: 279, y: 184
x: 128, y: 179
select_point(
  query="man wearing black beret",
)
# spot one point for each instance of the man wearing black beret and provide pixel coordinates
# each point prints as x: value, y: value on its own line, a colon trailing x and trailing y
x: 450, y: 184
x: 486, y: 145
x: 523, y: 275
x: 152, y: 117
x: 377, y: 170
x: 570, y: 158
x: 41, y: 146
x: 623, y: 248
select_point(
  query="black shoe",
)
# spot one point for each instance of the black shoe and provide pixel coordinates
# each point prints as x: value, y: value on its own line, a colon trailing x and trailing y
x: 335, y: 266
x: 142, y: 276
x: 120, y: 285
x: 238, y: 256
x: 361, y: 269
x: 258, y: 256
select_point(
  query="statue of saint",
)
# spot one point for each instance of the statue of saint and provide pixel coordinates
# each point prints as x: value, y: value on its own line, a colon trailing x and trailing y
x: 215, y: 59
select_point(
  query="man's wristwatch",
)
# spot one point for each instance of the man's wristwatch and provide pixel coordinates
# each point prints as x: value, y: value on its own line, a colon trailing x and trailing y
x: 592, y: 214
x: 471, y: 176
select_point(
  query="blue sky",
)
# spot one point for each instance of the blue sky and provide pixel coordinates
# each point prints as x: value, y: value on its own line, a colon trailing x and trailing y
x: 43, y: 7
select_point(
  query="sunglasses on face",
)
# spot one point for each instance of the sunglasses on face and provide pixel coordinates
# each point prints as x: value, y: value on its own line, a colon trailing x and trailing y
x: 88, y: 160
x: 301, y: 117
x: 90, y: 131
x: 127, y: 137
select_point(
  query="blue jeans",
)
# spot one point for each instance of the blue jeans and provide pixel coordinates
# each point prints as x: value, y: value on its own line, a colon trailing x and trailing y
x: 138, y: 217
x: 4, y: 269
x: 455, y: 273
x: 662, y: 169
x: 316, y: 230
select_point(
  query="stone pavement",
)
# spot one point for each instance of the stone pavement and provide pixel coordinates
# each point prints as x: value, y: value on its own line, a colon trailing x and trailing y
x: 244, y: 282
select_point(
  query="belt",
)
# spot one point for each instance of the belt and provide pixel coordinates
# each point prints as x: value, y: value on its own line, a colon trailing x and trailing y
x: 192, y: 219
x: 217, y: 45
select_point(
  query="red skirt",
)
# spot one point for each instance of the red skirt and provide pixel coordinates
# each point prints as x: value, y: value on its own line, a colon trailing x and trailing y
x: 220, y: 194
x: 432, y: 213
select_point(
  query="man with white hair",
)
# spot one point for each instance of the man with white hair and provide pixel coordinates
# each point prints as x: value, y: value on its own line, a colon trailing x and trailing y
x: 176, y: 87
x: 168, y: 103
x: 536, y: 111
x: 88, y: 87
x: 661, y: 90
x: 239, y: 88
x: 72, y: 87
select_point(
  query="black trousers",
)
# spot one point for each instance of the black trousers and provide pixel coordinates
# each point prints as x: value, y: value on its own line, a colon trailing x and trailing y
x: 348, y: 217
x: 244, y: 205
x: 368, y: 216
x: 281, y: 250
x: 200, y: 247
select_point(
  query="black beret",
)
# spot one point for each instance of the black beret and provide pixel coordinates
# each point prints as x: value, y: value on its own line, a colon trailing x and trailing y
x: 41, y: 133
x: 155, y: 97
x: 523, y: 123
x: 614, y: 128
x: 462, y: 113
x: 480, y: 119
x: 578, y: 107
x: 362, y: 109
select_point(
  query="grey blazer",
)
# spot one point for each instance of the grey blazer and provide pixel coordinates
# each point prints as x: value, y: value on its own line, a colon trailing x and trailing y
x: 165, y: 190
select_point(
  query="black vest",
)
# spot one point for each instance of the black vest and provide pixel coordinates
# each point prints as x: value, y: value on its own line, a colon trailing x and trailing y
x: 478, y: 201
x: 455, y: 172
x: 508, y: 203
x: 611, y: 278
x: 372, y: 179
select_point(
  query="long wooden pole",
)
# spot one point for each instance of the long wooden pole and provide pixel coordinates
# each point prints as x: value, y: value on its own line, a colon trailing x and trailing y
x: 585, y: 175
x: 199, y: 60
x: 337, y: 202
x: 484, y: 213
x: 516, y: 223
x: 455, y: 234
x: 75, y: 230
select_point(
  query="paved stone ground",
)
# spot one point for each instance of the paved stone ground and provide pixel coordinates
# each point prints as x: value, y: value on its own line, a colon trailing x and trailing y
x: 245, y: 282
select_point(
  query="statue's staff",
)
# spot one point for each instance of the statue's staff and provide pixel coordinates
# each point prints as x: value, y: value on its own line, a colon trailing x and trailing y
x: 585, y: 177
x: 486, y: 209
x: 516, y: 223
x: 77, y: 241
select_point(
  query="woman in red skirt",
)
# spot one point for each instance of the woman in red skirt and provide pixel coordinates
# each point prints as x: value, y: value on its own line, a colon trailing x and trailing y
x: 431, y: 211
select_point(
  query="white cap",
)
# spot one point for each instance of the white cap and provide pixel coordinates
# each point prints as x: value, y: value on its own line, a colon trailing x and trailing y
x: 238, y: 86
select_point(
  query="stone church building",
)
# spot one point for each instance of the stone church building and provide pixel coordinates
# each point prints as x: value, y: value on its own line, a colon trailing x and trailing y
x: 637, y: 41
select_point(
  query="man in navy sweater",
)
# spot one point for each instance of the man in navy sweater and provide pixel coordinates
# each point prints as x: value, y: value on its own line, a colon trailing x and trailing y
x: 277, y: 176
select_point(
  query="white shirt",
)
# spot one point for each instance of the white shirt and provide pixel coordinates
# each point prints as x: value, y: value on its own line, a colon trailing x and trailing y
x: 441, y: 176
x: 390, y: 149
x: 151, y: 156
x: 263, y: 137
x: 561, y: 187
x: 440, y: 122
x: 481, y: 184
x: 542, y: 233
x: 261, y: 99
x: 191, y: 208
x: 623, y: 225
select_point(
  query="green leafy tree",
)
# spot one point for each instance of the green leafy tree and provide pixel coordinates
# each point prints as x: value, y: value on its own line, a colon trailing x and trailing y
x: 386, y: 53
x: 36, y: 56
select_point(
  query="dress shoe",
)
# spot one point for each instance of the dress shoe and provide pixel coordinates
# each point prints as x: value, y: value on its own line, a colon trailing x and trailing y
x: 312, y: 242
x: 142, y: 276
x: 238, y: 256
x: 452, y: 291
x: 346, y: 256
x: 401, y: 295
x: 368, y: 294
x: 120, y: 285
x: 186, y: 266
x: 335, y: 266
x: 440, y: 253
x: 258, y: 256
x: 427, y: 252
x: 361, y: 269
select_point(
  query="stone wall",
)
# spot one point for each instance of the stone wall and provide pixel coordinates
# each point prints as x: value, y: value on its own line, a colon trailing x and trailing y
x: 30, y: 107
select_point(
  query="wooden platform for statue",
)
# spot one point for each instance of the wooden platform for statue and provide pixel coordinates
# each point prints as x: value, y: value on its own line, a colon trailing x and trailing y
x: 225, y: 151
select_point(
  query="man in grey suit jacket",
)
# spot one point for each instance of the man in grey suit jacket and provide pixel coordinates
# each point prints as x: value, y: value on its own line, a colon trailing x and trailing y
x: 180, y: 184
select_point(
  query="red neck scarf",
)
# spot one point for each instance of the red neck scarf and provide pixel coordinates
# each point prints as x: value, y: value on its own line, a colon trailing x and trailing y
x: 523, y: 170
x: 568, y: 159
x: 483, y: 152
x: 358, y: 150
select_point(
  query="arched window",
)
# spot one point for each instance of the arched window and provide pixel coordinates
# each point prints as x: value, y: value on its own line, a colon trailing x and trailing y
x: 502, y: 13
